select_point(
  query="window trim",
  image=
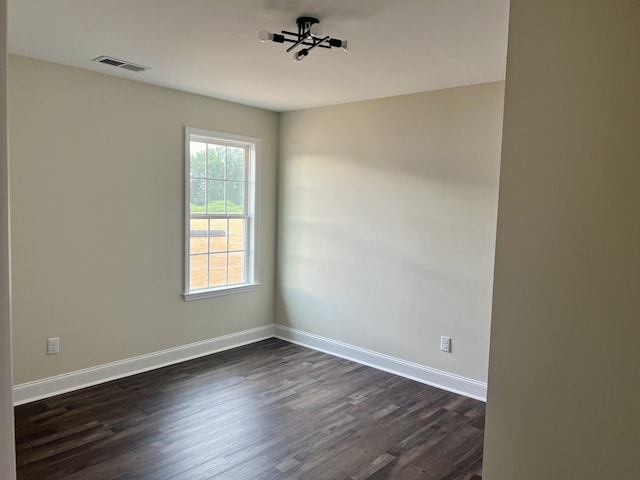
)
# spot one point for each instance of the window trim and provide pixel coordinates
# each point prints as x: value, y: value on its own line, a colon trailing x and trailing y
x: 253, y: 145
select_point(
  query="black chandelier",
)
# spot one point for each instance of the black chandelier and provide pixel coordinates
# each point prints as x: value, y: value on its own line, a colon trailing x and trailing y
x: 309, y: 36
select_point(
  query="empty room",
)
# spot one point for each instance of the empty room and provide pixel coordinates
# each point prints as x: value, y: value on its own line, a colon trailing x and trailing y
x: 278, y: 239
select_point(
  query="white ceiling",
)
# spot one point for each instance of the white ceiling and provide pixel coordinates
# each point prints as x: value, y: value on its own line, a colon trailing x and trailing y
x: 211, y: 47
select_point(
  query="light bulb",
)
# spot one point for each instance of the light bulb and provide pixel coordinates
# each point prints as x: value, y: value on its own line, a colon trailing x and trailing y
x: 265, y: 35
x: 316, y: 30
x: 300, y: 54
x: 337, y: 43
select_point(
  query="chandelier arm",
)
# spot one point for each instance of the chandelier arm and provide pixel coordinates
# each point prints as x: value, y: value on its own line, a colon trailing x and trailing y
x: 301, y: 39
x: 317, y: 44
x: 305, y: 42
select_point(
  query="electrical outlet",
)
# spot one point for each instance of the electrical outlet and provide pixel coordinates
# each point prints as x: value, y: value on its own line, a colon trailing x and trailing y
x: 53, y: 346
x: 445, y: 344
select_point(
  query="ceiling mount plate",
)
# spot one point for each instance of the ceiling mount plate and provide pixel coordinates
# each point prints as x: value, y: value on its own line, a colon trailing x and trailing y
x: 306, y: 22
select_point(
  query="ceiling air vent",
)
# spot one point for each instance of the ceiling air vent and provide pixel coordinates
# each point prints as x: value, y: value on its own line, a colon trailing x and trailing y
x: 134, y: 67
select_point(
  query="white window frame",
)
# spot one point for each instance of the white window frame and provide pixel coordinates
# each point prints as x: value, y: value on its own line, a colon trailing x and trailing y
x: 251, y: 206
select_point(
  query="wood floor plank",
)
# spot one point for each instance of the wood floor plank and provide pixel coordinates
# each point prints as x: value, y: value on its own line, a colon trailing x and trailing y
x: 271, y: 410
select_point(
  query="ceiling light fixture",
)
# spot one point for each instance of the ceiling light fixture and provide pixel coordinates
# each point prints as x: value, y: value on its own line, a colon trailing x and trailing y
x: 309, y: 36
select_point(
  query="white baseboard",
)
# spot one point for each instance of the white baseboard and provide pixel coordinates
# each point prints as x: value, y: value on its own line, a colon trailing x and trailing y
x: 48, y: 387
x: 430, y: 376
x: 67, y: 382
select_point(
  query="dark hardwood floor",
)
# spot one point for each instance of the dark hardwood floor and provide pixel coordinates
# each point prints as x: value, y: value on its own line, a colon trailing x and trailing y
x: 270, y: 410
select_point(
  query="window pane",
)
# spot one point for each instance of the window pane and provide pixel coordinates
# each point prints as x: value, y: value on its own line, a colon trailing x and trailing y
x: 218, y: 235
x: 216, y: 161
x: 198, y: 239
x: 236, y: 268
x: 235, y: 197
x: 198, y: 155
x: 215, y: 196
x: 236, y: 233
x: 197, y: 195
x: 197, y: 272
x: 235, y: 163
x: 218, y: 270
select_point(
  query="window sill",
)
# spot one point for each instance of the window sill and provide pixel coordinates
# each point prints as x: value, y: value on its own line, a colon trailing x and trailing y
x: 218, y: 292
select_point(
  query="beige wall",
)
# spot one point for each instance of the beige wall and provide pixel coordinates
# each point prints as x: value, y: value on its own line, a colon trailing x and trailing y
x: 97, y: 182
x: 564, y: 377
x: 387, y: 215
x: 7, y: 449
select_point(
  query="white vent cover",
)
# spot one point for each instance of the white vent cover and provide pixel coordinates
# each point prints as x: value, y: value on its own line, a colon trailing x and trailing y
x: 134, y: 67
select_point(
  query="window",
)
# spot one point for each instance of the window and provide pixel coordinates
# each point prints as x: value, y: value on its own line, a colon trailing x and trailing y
x: 220, y: 213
